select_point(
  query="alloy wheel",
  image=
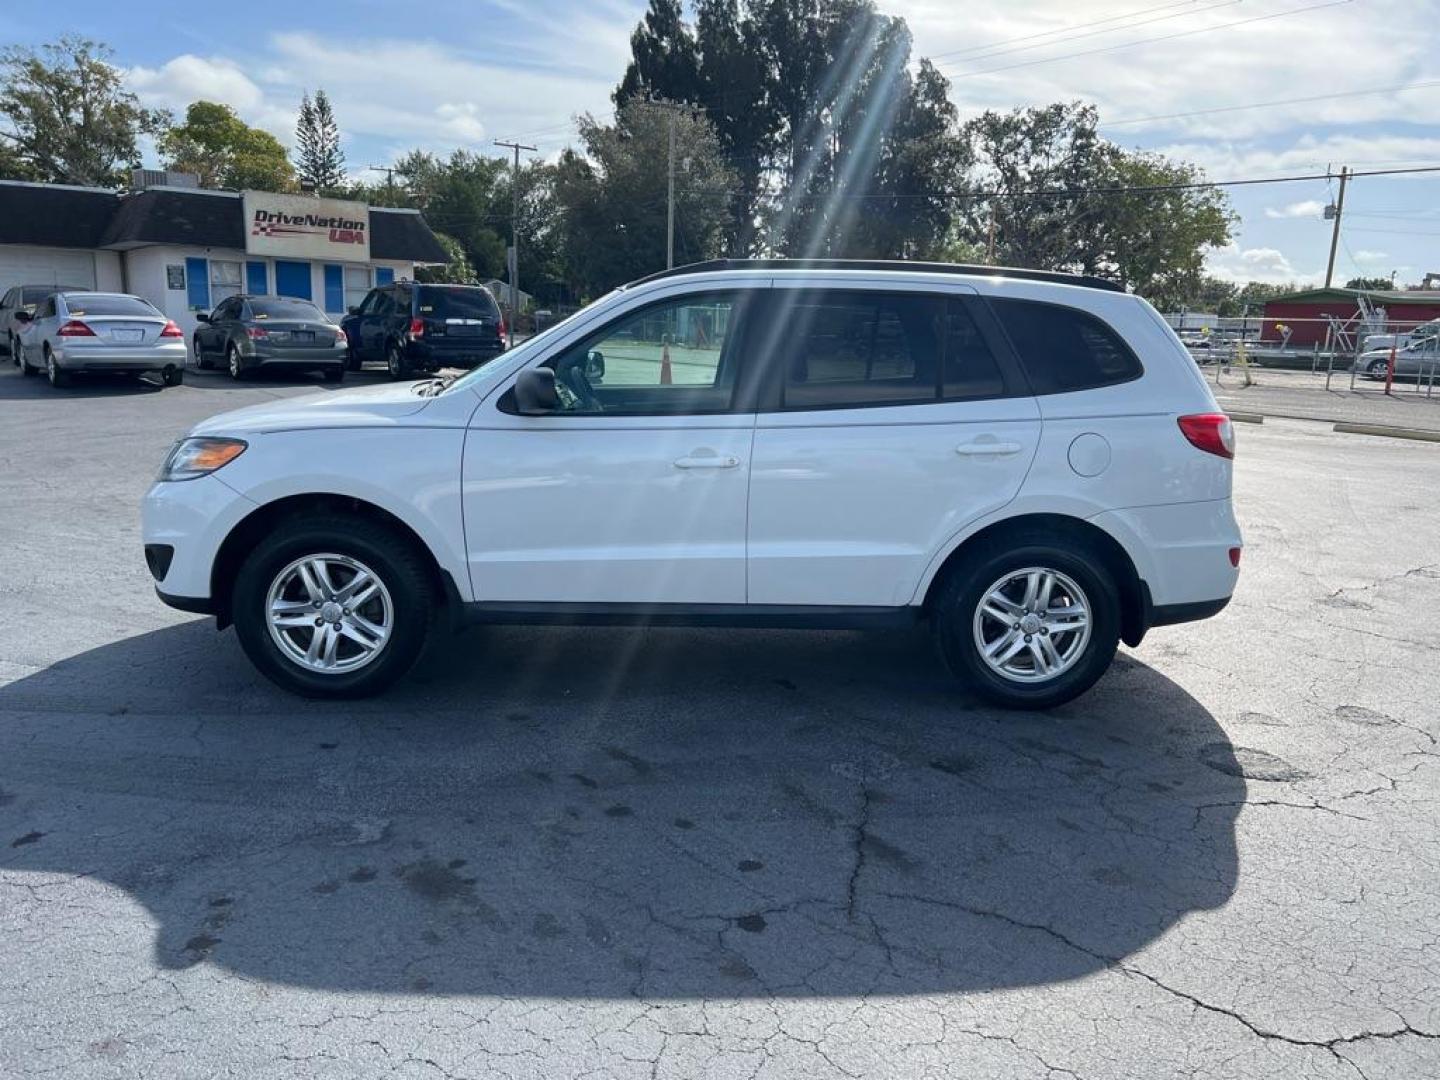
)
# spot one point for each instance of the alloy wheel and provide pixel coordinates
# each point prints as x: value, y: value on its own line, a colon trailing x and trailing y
x: 1032, y: 625
x: 329, y: 613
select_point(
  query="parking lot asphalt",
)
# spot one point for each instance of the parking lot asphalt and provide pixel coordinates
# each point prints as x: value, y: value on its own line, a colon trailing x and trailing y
x: 687, y: 853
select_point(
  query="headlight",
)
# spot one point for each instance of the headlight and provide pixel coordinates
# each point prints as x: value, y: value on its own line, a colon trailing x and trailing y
x: 196, y: 457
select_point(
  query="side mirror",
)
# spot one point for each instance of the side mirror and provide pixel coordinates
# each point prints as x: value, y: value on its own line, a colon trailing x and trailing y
x: 24, y: 316
x: 202, y: 317
x: 535, y: 392
x: 352, y: 311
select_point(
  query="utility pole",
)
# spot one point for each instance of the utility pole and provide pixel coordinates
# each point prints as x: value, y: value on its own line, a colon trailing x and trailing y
x: 990, y: 239
x: 514, y: 238
x: 389, y: 171
x: 670, y: 200
x: 1337, y: 209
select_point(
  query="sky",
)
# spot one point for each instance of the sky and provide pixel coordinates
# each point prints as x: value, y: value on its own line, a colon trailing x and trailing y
x: 1212, y: 82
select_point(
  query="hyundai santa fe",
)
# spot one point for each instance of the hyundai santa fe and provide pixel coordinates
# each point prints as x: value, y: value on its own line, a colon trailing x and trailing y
x: 1028, y: 462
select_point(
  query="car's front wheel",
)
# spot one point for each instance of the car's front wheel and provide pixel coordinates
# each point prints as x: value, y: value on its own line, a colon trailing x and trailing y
x: 1029, y: 624
x: 1377, y: 369
x: 333, y: 606
x: 233, y: 363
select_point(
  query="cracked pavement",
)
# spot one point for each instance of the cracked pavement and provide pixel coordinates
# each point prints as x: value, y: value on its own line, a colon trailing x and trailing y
x: 687, y: 853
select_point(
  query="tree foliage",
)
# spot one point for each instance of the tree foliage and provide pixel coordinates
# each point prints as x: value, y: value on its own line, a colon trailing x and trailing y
x: 225, y: 152
x: 611, y: 201
x: 67, y: 117
x: 1370, y: 284
x: 457, y: 269
x: 319, y: 163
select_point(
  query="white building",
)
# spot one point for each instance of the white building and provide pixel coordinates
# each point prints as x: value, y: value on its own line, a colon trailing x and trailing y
x: 186, y: 249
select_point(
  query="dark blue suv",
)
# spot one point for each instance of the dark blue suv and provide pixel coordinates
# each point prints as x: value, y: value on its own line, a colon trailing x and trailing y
x: 416, y: 328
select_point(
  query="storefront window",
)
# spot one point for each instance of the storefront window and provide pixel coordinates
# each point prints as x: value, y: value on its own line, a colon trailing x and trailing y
x: 357, y: 284
x: 224, y: 280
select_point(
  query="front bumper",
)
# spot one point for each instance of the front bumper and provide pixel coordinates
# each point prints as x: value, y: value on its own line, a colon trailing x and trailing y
x: 192, y: 519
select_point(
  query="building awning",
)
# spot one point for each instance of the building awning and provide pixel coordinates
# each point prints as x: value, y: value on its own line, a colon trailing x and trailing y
x: 55, y: 215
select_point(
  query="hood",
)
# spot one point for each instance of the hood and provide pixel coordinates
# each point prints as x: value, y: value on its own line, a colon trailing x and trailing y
x: 368, y: 406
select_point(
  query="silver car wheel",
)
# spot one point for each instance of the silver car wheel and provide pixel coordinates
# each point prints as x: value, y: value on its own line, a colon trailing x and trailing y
x: 234, y: 357
x: 1032, y: 625
x: 393, y: 362
x: 51, y: 371
x: 329, y: 613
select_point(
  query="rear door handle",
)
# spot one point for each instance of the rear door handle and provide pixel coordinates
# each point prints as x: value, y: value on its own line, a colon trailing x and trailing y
x: 988, y: 449
x: 708, y: 462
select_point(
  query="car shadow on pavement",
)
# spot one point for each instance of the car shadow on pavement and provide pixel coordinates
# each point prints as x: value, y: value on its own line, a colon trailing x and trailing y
x: 608, y: 812
x: 20, y: 388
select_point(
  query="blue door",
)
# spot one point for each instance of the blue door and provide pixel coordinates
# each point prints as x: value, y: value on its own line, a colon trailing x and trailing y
x: 255, y: 282
x: 292, y: 279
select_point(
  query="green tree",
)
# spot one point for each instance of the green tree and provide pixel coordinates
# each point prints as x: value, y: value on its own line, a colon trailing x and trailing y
x: 457, y: 269
x: 320, y: 163
x: 1371, y: 284
x: 225, y: 152
x: 462, y: 195
x: 664, y: 59
x: 611, y: 201
x: 68, y: 118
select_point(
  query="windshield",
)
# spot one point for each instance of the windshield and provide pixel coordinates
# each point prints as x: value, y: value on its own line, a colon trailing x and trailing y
x: 456, y: 303
x: 81, y: 304
x: 285, y: 309
x: 479, y: 378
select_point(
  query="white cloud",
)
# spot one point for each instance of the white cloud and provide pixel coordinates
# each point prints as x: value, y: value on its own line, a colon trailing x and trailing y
x: 1370, y: 257
x: 1239, y: 264
x: 187, y: 78
x: 1305, y: 209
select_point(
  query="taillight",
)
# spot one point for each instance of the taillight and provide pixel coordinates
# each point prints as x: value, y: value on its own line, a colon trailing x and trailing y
x: 340, y: 338
x: 417, y: 328
x: 502, y: 326
x: 74, y: 328
x: 1235, y: 558
x: 1211, y: 432
x: 255, y: 333
x: 171, y: 330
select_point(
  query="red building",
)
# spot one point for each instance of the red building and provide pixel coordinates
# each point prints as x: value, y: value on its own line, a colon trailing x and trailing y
x: 1304, y: 313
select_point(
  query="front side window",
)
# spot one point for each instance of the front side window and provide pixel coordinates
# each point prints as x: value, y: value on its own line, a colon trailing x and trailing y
x: 1064, y: 349
x: 677, y: 356
x: 224, y: 279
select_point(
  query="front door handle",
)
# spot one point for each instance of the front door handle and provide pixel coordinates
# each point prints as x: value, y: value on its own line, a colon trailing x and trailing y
x: 988, y: 449
x: 709, y: 461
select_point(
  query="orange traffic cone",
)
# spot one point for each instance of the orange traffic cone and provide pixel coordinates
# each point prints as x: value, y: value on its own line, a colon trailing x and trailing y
x: 666, y: 375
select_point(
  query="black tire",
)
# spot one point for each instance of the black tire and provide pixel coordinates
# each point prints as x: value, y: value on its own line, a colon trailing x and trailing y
x: 14, y: 349
x: 352, y: 358
x: 395, y: 364
x: 57, y: 375
x: 202, y: 362
x: 393, y: 558
x: 234, y: 363
x: 172, y: 376
x: 334, y: 374
x: 25, y: 368
x: 960, y: 596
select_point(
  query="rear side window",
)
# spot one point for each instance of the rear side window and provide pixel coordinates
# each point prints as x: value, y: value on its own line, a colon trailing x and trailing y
x: 456, y: 303
x: 1065, y: 349
x: 864, y: 349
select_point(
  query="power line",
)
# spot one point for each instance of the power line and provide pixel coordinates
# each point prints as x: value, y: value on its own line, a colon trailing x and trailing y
x: 985, y: 52
x: 1271, y: 104
x: 1151, y: 41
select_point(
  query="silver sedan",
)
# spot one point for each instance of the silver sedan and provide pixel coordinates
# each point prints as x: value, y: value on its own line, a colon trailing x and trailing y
x: 75, y: 332
x: 1418, y: 360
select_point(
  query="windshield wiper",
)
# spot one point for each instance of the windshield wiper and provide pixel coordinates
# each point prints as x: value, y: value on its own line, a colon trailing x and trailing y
x: 431, y: 387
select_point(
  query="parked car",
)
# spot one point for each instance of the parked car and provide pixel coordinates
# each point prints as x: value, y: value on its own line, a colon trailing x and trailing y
x: 72, y: 333
x: 1027, y: 461
x: 253, y: 333
x: 418, y: 328
x: 1423, y: 332
x: 1417, y: 360
x: 22, y: 298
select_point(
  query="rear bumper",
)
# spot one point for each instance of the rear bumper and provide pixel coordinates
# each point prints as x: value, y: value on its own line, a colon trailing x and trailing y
x: 1180, y: 551
x: 296, y: 358
x: 151, y: 359
x: 455, y: 354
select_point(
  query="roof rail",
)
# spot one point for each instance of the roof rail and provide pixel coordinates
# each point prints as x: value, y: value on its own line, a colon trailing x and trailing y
x: 711, y: 266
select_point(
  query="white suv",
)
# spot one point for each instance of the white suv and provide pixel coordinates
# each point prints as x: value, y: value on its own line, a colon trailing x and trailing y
x: 1029, y: 461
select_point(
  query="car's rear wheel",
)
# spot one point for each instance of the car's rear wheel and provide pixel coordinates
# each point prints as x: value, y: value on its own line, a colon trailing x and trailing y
x: 1029, y: 624
x: 57, y: 375
x: 233, y: 363
x: 395, y: 361
x: 334, y: 373
x: 172, y: 376
x: 333, y: 606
